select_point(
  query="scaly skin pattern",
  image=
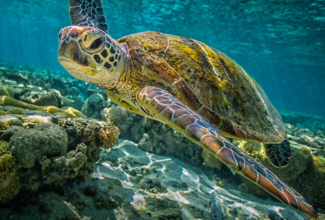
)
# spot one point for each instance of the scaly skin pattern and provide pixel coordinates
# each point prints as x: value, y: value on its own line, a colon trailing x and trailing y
x: 167, y: 109
x: 207, y: 81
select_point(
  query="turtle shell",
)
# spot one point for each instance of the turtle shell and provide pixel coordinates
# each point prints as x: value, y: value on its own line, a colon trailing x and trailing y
x: 207, y: 81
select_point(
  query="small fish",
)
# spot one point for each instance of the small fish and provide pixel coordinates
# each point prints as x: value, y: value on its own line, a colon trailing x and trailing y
x: 216, y: 213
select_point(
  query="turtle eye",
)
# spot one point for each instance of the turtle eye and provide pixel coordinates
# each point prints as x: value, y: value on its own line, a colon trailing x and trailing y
x: 96, y: 43
x: 67, y: 39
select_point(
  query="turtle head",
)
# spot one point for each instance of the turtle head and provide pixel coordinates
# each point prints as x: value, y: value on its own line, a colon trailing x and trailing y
x: 90, y: 54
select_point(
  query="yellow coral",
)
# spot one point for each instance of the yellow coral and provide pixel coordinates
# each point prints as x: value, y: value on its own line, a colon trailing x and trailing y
x: 7, y: 100
x: 68, y: 112
x: 6, y: 90
x: 73, y: 112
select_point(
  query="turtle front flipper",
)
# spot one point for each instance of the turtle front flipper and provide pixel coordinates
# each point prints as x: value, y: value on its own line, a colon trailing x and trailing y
x: 88, y: 13
x: 278, y: 154
x: 164, y: 107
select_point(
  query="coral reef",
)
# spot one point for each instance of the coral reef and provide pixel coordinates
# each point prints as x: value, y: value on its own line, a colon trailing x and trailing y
x: 67, y: 112
x: 9, y: 174
x: 43, y: 140
x: 50, y: 151
x: 132, y: 184
x: 48, y: 91
x: 307, y: 147
x: 53, y: 147
x: 119, y: 116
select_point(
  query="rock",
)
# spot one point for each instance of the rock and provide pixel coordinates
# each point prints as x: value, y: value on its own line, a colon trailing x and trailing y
x: 93, y: 105
x: 30, y: 145
x: 73, y: 101
x: 211, y: 161
x: 42, y: 98
x: 36, y: 119
x: 306, y: 140
x: 92, y: 132
x: 9, y: 176
x: 9, y: 120
x: 311, y: 183
x: 9, y: 131
x: 160, y: 139
x: 114, y: 192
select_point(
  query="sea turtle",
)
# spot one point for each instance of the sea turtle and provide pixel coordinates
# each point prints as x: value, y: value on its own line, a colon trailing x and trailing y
x: 195, y: 89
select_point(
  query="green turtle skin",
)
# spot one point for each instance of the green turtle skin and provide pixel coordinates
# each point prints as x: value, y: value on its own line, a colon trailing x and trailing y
x: 195, y: 89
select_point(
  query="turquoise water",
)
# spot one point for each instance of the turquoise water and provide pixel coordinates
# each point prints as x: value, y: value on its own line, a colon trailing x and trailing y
x: 280, y: 43
x: 68, y: 152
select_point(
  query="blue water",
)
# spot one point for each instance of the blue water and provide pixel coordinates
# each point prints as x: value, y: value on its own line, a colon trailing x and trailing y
x: 280, y: 43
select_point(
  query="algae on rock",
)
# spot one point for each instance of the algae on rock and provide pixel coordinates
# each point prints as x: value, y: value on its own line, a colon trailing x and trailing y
x: 45, y: 139
x: 67, y: 111
x: 9, y: 174
x: 50, y: 152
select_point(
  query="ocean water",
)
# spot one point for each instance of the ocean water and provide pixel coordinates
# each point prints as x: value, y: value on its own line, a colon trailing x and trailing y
x: 280, y: 43
x: 68, y: 152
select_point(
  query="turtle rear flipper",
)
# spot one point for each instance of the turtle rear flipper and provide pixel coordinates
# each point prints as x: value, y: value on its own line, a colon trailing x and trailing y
x: 88, y: 13
x: 278, y: 154
x: 161, y: 105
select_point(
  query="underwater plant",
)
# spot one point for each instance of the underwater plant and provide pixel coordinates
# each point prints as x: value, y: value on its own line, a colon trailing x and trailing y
x: 195, y: 89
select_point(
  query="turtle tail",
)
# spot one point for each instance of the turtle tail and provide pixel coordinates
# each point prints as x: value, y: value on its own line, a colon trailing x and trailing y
x: 278, y: 154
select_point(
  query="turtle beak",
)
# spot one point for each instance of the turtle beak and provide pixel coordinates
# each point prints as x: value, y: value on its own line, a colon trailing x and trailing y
x: 66, y: 53
x: 69, y: 53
